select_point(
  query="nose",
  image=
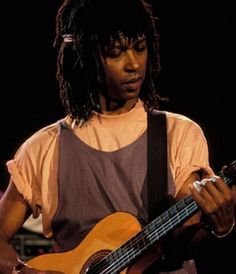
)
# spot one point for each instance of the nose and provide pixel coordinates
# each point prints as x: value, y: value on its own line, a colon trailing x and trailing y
x: 132, y: 61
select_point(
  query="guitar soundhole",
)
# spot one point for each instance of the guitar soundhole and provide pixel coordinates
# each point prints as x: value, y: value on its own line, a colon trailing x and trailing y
x: 90, y: 265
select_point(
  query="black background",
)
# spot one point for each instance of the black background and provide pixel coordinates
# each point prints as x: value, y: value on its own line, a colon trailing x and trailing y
x: 198, y: 71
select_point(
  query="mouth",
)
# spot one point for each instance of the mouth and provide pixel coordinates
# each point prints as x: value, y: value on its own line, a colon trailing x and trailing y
x: 133, y: 83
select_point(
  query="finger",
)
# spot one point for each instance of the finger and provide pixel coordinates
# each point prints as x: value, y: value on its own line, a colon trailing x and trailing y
x: 222, y: 187
x: 209, y: 198
x: 222, y: 194
x: 204, y: 200
x: 215, y: 214
x: 213, y: 192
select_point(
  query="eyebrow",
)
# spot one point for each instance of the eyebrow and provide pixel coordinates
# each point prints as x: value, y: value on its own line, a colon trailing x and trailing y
x: 122, y: 45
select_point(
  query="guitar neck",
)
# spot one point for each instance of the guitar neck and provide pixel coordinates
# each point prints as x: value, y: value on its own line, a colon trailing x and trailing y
x: 157, y: 229
x: 123, y: 256
x: 120, y: 258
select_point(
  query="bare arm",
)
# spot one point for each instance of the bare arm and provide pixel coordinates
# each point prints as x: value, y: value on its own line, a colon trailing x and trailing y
x: 13, y: 212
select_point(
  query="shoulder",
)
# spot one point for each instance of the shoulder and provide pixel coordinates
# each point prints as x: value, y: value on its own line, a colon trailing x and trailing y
x: 183, y: 130
x: 39, y: 142
x: 179, y: 118
x: 177, y: 121
x: 181, y: 122
x: 43, y: 135
x: 186, y: 137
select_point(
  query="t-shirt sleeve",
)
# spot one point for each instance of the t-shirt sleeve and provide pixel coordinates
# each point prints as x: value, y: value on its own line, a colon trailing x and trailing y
x: 25, y: 177
x: 33, y: 168
x: 190, y: 152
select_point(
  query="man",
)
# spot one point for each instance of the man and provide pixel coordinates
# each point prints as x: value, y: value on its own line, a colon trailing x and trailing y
x: 92, y: 163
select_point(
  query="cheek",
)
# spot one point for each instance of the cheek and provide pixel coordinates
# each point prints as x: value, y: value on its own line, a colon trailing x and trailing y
x: 112, y: 73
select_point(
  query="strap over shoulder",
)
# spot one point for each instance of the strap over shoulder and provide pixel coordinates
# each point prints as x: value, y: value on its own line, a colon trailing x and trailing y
x: 157, y: 160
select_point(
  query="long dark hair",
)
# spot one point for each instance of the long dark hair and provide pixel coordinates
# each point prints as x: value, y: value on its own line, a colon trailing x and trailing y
x: 80, y: 26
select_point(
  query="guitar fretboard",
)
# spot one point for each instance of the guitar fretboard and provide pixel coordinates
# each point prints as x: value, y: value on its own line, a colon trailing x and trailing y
x: 117, y: 260
x: 120, y: 258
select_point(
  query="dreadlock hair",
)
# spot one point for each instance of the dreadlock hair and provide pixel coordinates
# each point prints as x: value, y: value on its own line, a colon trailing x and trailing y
x: 80, y: 26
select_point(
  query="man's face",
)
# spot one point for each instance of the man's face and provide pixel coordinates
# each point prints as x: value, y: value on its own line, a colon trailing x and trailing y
x: 124, y: 68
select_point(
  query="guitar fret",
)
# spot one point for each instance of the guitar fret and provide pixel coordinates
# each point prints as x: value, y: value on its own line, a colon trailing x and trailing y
x: 165, y: 217
x: 173, y: 211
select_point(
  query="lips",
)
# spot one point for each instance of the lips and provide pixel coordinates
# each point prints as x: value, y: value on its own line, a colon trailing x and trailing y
x: 133, y: 83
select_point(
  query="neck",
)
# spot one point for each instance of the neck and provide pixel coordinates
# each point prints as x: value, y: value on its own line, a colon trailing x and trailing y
x: 114, y: 107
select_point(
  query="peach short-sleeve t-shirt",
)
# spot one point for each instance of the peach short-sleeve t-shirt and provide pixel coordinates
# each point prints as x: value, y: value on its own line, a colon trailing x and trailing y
x: 34, y: 166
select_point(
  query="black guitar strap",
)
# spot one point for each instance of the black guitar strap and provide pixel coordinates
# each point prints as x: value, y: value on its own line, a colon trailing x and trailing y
x: 157, y: 162
x: 157, y: 176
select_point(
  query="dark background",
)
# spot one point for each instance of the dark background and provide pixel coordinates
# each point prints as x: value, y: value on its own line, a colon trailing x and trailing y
x: 198, y: 71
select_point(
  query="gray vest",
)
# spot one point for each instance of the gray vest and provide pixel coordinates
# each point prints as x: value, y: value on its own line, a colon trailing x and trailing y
x: 94, y: 184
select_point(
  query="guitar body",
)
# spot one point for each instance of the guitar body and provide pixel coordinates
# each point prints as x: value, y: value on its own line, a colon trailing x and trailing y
x: 107, y: 235
x: 116, y: 243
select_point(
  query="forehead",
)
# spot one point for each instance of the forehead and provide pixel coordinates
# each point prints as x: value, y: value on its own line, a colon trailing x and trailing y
x: 121, y: 40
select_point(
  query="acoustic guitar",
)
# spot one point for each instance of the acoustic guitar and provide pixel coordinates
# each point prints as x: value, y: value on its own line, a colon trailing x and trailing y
x: 118, y: 240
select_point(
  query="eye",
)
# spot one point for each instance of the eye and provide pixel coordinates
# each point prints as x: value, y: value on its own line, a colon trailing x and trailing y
x: 140, y: 46
x: 114, y: 53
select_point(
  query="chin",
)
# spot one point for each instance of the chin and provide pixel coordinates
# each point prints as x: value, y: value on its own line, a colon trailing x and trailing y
x: 132, y: 94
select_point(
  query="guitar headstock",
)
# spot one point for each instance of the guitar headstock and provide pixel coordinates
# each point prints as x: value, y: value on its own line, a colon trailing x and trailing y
x: 228, y: 173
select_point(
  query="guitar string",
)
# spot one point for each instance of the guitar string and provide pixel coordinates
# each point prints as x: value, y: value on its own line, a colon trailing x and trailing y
x: 153, y: 235
x: 126, y: 256
x: 171, y: 222
x: 192, y: 206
